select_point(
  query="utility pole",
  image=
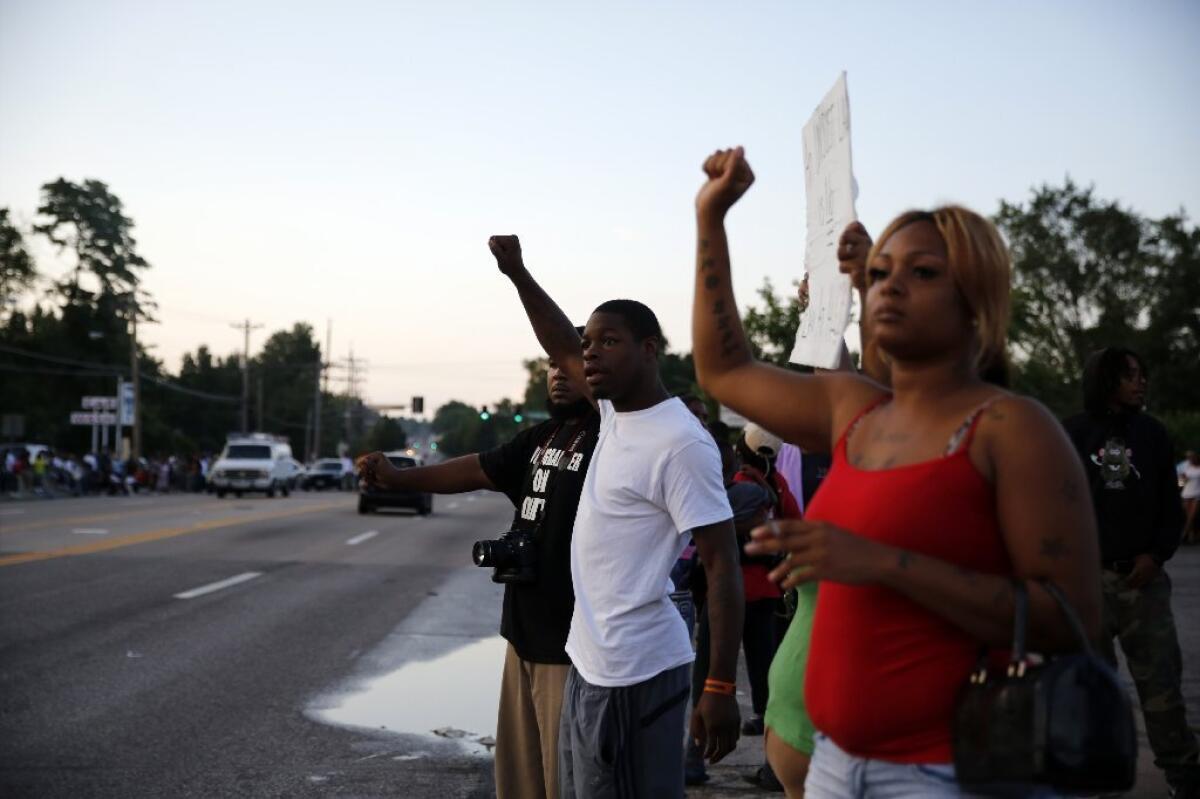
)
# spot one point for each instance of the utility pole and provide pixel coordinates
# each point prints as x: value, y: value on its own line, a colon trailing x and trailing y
x: 262, y: 421
x: 137, y: 387
x: 246, y: 327
x: 318, y: 387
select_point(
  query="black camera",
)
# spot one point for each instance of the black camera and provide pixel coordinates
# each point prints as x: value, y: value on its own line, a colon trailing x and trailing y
x: 512, y: 556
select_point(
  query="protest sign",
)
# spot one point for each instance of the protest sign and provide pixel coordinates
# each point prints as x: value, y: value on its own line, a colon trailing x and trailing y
x: 830, y: 192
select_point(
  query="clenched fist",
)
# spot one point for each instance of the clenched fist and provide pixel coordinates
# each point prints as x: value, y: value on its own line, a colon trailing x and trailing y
x: 507, y: 250
x: 375, y: 471
x: 852, y: 250
x: 729, y: 176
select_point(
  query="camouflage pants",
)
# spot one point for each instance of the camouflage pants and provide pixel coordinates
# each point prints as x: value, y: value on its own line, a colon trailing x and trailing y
x: 1142, y: 621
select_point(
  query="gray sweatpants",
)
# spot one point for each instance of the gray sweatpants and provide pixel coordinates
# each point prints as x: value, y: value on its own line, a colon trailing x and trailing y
x: 623, y: 743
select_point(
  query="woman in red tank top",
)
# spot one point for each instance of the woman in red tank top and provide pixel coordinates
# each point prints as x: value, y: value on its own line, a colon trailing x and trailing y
x: 944, y: 490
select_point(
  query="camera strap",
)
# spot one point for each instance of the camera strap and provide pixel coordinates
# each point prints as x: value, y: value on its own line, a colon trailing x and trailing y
x: 554, y: 469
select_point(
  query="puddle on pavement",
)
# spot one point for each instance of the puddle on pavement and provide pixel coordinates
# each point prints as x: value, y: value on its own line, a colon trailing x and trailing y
x: 453, y: 697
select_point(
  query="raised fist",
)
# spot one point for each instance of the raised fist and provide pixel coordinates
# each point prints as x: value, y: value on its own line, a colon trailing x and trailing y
x: 507, y: 250
x: 852, y: 250
x: 729, y: 175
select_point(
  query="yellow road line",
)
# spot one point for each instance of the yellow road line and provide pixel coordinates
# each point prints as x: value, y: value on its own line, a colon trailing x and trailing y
x: 100, y: 517
x: 155, y: 535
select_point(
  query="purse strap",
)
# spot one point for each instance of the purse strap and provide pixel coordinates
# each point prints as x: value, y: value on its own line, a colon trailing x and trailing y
x: 1016, y: 666
x: 1068, y: 611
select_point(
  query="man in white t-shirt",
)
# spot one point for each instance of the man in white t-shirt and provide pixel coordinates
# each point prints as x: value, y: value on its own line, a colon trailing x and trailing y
x: 654, y: 481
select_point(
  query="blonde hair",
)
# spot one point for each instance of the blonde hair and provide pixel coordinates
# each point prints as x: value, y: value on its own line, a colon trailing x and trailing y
x: 981, y: 267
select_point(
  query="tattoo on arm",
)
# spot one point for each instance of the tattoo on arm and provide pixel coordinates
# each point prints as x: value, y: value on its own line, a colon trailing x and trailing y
x: 905, y: 559
x: 711, y: 282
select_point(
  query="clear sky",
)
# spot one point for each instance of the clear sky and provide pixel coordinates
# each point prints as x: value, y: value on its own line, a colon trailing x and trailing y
x: 293, y: 161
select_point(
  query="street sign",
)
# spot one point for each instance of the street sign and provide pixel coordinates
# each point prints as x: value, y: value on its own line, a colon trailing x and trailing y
x: 93, y: 418
x: 127, y: 404
x: 99, y: 404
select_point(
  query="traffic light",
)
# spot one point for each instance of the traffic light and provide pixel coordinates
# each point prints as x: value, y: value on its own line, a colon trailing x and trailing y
x: 418, y: 405
x: 483, y: 413
x: 518, y: 417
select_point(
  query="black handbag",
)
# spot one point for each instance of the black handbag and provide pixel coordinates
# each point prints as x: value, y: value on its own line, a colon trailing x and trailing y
x: 1066, y: 723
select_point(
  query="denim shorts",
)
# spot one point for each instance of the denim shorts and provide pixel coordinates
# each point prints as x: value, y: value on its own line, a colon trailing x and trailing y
x: 836, y: 774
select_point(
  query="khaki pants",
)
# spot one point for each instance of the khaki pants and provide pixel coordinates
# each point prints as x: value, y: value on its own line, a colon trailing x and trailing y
x: 531, y: 698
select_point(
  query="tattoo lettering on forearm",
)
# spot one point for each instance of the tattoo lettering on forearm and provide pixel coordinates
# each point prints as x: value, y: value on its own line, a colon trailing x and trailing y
x: 711, y: 282
x: 723, y: 322
x: 719, y: 307
x: 1054, y: 548
x: 703, y: 244
x: 707, y: 264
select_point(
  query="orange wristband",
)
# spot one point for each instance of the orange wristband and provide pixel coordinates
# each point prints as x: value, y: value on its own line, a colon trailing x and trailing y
x: 720, y: 687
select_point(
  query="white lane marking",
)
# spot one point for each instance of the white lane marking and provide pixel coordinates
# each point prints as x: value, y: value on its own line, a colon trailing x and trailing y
x: 89, y: 531
x: 12, y: 512
x: 217, y: 586
x: 358, y: 539
x: 452, y: 506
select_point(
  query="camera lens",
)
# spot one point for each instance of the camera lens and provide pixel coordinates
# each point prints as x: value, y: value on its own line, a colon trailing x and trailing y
x: 481, y: 553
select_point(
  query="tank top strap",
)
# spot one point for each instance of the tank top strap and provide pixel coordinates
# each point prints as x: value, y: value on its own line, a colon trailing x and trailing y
x: 965, y: 434
x: 850, y: 428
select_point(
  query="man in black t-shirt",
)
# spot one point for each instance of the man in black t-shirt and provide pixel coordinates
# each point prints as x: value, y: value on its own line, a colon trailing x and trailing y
x: 1128, y: 459
x: 541, y: 471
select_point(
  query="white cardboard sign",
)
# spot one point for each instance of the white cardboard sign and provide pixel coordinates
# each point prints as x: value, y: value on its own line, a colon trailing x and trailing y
x: 829, y: 194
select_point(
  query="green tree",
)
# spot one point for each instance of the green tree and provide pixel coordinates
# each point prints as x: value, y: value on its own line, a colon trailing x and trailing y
x: 89, y: 220
x: 285, y: 369
x: 459, y: 426
x: 771, y: 329
x: 17, y: 270
x: 200, y: 417
x: 387, y: 435
x: 1089, y: 273
x: 536, y: 397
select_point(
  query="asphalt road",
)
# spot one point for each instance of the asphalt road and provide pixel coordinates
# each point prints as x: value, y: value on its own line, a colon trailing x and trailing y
x: 171, y: 646
x: 185, y: 646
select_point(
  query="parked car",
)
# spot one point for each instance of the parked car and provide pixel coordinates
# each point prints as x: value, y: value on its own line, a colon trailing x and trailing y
x: 295, y: 473
x: 371, y: 499
x: 325, y: 473
x: 253, y: 462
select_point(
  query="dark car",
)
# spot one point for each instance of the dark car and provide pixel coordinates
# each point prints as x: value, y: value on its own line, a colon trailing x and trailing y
x: 325, y: 473
x: 371, y: 499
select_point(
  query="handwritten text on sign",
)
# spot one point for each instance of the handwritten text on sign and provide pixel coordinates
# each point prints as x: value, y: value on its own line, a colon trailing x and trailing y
x: 829, y: 191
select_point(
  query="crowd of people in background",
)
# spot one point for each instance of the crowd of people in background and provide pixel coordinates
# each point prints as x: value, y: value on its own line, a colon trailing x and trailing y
x: 48, y: 474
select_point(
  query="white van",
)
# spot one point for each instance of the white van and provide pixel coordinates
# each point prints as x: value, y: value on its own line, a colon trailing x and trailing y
x: 253, y: 462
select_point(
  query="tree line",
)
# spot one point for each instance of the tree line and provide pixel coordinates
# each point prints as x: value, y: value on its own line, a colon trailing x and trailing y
x: 1088, y: 273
